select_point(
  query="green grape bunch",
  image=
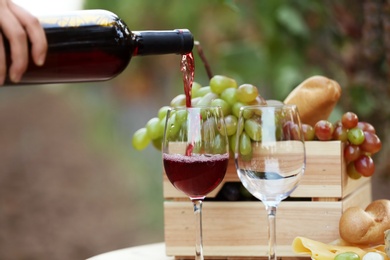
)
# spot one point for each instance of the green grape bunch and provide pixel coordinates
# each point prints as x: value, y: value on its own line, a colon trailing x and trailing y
x: 222, y: 91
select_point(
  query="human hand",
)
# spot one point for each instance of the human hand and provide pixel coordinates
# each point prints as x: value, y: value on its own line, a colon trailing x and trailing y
x: 19, y: 27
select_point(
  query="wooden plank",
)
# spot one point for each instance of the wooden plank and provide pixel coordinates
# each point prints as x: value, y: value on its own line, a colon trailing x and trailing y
x: 361, y: 197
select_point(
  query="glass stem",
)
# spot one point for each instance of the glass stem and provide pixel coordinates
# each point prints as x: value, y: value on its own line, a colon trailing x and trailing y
x: 271, y: 210
x: 198, y: 229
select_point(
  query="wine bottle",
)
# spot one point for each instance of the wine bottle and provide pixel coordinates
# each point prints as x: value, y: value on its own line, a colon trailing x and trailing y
x: 96, y: 45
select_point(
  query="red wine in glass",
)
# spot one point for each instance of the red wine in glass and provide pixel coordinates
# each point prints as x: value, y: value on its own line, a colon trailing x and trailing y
x: 195, y: 156
x: 195, y: 175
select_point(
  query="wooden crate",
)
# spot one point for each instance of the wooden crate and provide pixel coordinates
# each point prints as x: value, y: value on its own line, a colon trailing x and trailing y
x: 235, y: 230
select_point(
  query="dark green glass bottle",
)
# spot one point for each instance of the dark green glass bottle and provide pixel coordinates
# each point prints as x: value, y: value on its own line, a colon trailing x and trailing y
x: 96, y: 45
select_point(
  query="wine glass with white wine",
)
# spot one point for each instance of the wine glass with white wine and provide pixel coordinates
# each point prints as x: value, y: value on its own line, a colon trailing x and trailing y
x: 270, y: 156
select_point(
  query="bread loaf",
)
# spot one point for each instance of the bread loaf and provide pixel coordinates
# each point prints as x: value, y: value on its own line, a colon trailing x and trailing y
x: 366, y: 227
x: 315, y: 98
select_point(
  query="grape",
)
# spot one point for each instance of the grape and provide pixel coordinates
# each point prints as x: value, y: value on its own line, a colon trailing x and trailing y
x: 279, y: 133
x: 206, y: 99
x: 162, y: 112
x: 223, y: 104
x: 163, y: 122
x: 253, y: 130
x: 179, y: 101
x: 173, y: 127
x: 355, y: 136
x: 153, y: 128
x: 347, y: 256
x: 352, y: 172
x: 371, y: 144
x: 223, y: 130
x: 157, y: 143
x: 231, y: 124
x: 229, y: 95
x: 340, y: 133
x: 308, y: 132
x: 245, y: 145
x: 219, y: 83
x: 248, y: 113
x: 208, y: 130
x: 366, y: 127
x: 349, y: 120
x: 195, y: 101
x: 291, y: 131
x: 240, y: 126
x: 337, y: 123
x: 201, y: 92
x: 247, y: 93
x: 324, y: 130
x: 219, y: 146
x: 351, y: 152
x: 375, y: 255
x: 141, y: 139
x: 365, y: 165
x: 259, y: 100
x: 195, y: 88
x: 236, y: 109
x: 181, y: 116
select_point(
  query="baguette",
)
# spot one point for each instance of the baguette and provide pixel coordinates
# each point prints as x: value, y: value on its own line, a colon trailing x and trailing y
x: 315, y: 98
x: 366, y: 227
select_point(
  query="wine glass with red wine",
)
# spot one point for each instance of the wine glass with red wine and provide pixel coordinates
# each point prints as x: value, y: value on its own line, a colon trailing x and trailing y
x: 195, y: 156
x: 270, y: 157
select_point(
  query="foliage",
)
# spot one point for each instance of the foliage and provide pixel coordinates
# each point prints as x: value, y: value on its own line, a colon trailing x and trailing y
x: 259, y: 42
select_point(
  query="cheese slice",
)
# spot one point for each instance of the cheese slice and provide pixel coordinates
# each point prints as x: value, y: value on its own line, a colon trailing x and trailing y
x: 322, y: 251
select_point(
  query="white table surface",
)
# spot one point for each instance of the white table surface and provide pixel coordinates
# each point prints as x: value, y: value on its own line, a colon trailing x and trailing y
x: 144, y: 252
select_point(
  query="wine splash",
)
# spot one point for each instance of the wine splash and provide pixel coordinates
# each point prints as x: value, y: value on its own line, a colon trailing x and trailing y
x: 187, y: 66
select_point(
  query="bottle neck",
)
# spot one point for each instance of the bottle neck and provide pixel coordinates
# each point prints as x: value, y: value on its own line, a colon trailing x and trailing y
x: 178, y: 41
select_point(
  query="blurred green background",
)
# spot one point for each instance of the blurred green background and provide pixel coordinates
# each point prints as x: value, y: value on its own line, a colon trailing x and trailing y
x: 72, y: 186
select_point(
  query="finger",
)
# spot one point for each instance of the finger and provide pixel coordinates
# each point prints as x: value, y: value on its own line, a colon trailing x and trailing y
x: 35, y: 33
x: 17, y: 38
x: 3, y: 66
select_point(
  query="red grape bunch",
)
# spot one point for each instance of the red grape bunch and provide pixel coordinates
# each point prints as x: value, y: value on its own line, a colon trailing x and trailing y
x: 360, y: 139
